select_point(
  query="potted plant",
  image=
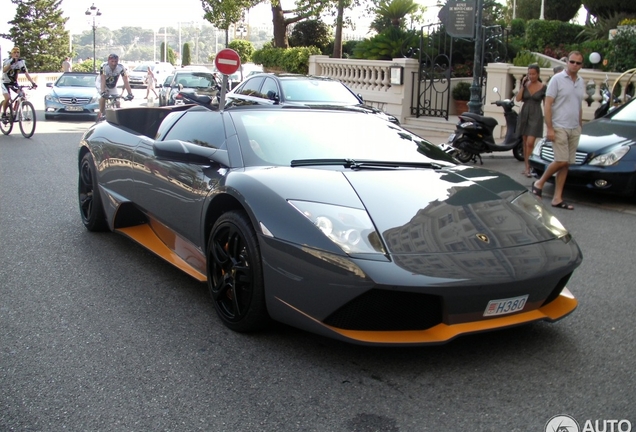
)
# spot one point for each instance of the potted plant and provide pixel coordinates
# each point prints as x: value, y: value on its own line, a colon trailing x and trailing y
x: 461, y: 95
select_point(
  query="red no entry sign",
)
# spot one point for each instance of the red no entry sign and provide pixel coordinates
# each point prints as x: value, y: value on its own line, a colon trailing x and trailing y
x: 227, y: 61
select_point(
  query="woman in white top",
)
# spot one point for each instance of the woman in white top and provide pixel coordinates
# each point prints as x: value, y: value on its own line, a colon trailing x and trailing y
x: 150, y: 83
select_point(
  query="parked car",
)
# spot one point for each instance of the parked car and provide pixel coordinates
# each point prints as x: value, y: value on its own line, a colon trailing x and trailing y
x: 137, y: 76
x: 164, y: 89
x: 606, y: 155
x: 72, y: 95
x: 204, y: 83
x: 362, y: 232
x: 293, y: 89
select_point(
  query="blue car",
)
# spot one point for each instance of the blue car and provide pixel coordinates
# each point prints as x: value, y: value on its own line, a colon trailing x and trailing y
x: 73, y: 95
x: 605, y: 156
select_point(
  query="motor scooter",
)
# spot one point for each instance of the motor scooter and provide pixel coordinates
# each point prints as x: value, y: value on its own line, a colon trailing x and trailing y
x: 474, y: 135
x: 608, y: 102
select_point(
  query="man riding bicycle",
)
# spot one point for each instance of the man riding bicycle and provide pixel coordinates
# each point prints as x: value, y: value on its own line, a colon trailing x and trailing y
x: 109, y: 74
x: 11, y: 67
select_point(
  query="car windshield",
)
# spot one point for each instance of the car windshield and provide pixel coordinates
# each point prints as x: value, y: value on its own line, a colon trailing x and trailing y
x: 276, y: 137
x: 200, y: 80
x: 317, y: 91
x: 628, y: 113
x: 142, y: 68
x: 76, y: 81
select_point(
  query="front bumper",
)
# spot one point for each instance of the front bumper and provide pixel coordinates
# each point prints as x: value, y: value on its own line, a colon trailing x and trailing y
x: 619, y: 179
x: 56, y: 109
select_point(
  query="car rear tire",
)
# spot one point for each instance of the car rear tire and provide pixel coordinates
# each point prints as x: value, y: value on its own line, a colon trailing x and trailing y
x: 90, y: 203
x: 235, y: 273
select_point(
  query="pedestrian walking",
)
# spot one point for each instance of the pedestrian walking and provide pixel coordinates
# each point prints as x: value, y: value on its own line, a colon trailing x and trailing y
x: 66, y: 65
x: 150, y: 83
x: 563, y: 120
x: 532, y: 93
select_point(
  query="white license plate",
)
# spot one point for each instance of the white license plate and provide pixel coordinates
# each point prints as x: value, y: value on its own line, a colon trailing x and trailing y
x: 505, y: 306
x: 451, y: 137
x: 74, y: 108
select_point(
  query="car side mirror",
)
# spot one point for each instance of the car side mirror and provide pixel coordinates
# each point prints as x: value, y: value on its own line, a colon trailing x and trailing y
x: 272, y: 95
x: 360, y: 97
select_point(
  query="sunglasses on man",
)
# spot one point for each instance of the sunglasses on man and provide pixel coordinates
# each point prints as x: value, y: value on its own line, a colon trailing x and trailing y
x: 575, y: 62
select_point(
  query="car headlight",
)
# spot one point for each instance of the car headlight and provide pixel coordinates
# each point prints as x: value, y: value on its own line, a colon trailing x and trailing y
x: 608, y: 159
x: 50, y: 98
x: 350, y: 228
x: 528, y: 203
x: 94, y: 99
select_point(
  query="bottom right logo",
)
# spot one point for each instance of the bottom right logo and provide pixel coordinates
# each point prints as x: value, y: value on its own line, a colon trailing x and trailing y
x: 566, y: 423
x: 562, y: 423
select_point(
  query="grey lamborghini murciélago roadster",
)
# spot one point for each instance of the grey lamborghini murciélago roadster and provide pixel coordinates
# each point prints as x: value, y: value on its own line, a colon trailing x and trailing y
x: 328, y: 219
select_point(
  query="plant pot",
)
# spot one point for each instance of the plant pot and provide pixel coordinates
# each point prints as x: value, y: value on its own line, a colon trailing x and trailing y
x: 461, y: 106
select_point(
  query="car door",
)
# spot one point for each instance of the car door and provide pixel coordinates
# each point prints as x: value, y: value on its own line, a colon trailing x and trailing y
x: 174, y: 192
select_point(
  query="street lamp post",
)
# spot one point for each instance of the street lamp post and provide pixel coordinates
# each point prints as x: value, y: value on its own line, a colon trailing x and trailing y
x: 94, y: 13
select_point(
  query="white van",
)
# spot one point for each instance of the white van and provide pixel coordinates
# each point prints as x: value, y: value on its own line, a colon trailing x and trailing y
x: 137, y: 76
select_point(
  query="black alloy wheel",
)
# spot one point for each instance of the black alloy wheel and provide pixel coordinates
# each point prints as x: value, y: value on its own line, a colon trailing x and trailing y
x: 90, y: 203
x: 235, y: 273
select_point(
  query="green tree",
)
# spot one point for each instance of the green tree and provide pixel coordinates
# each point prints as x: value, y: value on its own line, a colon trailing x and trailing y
x: 38, y: 29
x: 171, y: 54
x: 186, y: 58
x: 562, y: 10
x: 393, y: 12
x: 607, y: 8
x: 244, y: 48
x: 223, y: 13
x: 310, y: 33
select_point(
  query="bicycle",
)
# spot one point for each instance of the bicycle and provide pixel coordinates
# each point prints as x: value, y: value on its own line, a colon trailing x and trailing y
x: 20, y: 110
x: 112, y: 102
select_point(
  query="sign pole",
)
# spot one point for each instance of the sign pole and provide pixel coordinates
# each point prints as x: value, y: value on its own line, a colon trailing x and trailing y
x: 227, y: 61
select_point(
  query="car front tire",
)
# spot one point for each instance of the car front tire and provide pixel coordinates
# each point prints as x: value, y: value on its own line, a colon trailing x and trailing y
x: 235, y: 273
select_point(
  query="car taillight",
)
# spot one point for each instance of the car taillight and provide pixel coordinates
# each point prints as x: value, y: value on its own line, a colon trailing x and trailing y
x: 178, y: 96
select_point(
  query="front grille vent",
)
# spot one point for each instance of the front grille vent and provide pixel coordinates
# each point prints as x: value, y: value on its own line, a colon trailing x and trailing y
x: 548, y: 154
x: 74, y: 101
x: 383, y: 310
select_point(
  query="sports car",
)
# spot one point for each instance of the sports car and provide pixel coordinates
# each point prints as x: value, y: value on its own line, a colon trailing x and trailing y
x: 331, y: 220
x: 72, y: 95
x: 605, y: 157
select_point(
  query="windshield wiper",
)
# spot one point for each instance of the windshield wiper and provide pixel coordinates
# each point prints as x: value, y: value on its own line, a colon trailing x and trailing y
x: 354, y: 164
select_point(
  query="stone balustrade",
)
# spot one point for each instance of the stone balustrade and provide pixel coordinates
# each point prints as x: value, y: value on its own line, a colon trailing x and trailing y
x: 371, y: 80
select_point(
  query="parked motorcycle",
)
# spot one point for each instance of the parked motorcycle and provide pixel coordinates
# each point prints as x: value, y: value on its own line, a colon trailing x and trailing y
x: 474, y: 135
x: 608, y: 102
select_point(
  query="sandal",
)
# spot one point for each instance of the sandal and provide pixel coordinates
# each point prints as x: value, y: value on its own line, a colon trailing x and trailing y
x: 536, y: 191
x: 527, y: 174
x: 563, y: 205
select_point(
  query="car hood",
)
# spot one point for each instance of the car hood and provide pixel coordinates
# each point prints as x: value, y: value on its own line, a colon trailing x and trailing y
x: 451, y: 210
x: 604, y: 132
x: 446, y: 211
x: 74, y: 91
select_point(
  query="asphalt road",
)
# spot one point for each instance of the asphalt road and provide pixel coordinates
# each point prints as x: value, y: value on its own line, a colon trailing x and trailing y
x: 97, y: 334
